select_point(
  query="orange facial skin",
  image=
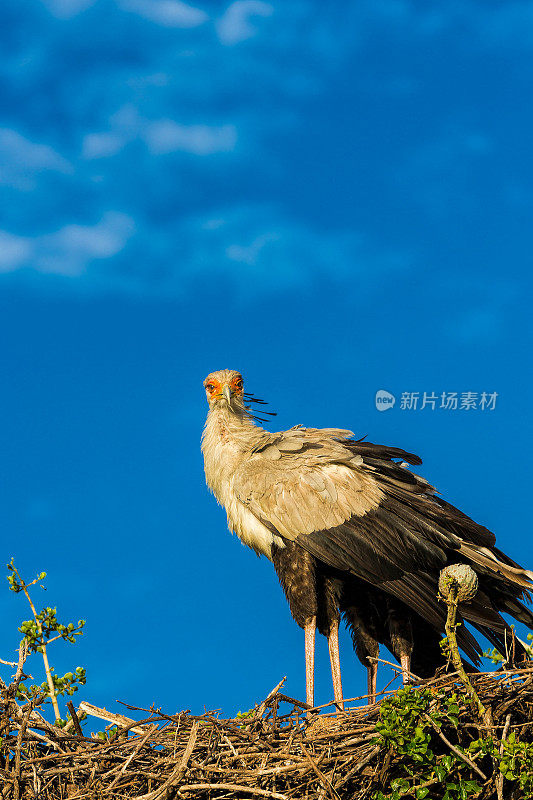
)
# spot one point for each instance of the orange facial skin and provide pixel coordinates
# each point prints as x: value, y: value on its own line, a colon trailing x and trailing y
x: 213, y: 389
x: 236, y: 385
x: 214, y: 386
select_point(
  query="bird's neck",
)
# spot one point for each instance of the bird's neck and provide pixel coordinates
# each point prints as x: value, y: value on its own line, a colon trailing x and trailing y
x: 227, y: 439
x: 230, y: 423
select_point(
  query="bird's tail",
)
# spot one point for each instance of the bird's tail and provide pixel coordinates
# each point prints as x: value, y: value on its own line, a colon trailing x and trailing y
x: 495, y: 563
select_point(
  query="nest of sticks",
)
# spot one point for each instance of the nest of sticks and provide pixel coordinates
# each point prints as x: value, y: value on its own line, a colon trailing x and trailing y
x: 278, y: 750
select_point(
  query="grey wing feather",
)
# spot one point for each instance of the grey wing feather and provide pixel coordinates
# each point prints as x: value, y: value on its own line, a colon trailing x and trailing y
x: 352, y: 506
x: 300, y: 483
x: 349, y: 502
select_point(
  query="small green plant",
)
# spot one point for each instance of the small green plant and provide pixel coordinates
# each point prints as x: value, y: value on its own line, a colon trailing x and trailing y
x: 499, y: 658
x: 38, y: 633
x: 516, y: 763
x: 412, y: 722
x: 409, y: 726
x: 245, y: 717
x: 245, y: 714
x: 110, y: 733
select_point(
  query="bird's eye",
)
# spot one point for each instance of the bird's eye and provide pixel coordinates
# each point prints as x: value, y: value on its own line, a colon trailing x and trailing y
x: 238, y: 385
x: 210, y: 387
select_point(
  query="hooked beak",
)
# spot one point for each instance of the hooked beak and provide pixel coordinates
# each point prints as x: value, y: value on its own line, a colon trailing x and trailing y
x: 226, y: 392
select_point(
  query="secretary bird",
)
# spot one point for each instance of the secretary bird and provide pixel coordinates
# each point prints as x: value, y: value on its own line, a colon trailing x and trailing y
x: 352, y: 532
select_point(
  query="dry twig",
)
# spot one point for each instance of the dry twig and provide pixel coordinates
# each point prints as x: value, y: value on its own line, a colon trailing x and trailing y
x: 269, y: 755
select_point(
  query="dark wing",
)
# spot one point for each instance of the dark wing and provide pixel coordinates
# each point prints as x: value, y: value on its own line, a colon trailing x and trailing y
x: 357, y: 507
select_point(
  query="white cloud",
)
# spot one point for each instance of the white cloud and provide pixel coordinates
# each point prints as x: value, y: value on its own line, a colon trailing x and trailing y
x: 170, y: 13
x: 69, y: 250
x: 259, y: 251
x: 102, y: 145
x: 235, y: 25
x: 166, y: 136
x: 253, y: 250
x: 65, y: 9
x: 15, y: 251
x: 249, y: 254
x: 161, y: 136
x: 21, y: 161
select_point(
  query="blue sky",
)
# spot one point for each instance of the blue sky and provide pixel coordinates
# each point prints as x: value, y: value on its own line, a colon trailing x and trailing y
x: 333, y: 201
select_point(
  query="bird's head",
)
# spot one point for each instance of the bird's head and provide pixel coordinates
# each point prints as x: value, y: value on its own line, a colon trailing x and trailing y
x: 224, y: 387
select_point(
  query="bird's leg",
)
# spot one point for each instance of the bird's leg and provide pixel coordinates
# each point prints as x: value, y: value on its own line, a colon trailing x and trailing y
x: 365, y: 643
x: 405, y: 663
x: 401, y: 634
x: 310, y: 630
x: 334, y: 657
x: 372, y: 681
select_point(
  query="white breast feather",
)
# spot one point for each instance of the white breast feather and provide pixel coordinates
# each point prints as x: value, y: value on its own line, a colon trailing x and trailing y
x: 332, y: 493
x: 250, y: 530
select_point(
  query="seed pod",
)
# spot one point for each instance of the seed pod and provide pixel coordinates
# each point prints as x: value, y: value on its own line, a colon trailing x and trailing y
x: 463, y: 577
